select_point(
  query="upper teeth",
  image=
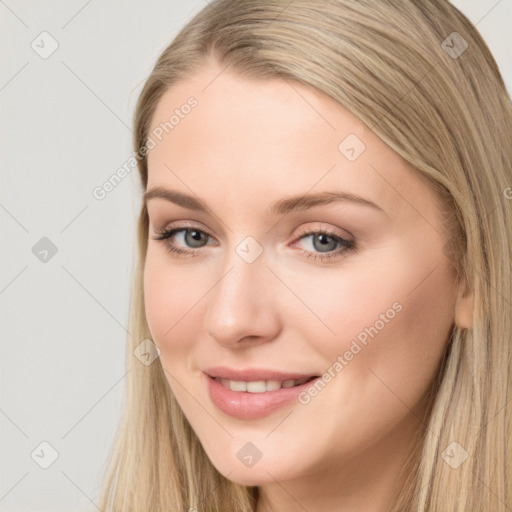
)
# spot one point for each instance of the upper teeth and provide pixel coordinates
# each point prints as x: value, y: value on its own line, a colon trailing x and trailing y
x: 260, y: 386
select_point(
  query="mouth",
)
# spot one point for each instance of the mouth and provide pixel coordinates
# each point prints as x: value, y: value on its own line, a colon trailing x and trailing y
x: 262, y: 386
x: 253, y: 394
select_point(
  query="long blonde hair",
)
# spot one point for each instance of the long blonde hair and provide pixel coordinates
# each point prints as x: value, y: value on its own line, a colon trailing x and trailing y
x: 419, y: 74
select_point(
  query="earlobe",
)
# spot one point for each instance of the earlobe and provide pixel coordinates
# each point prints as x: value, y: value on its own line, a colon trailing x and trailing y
x: 464, y: 309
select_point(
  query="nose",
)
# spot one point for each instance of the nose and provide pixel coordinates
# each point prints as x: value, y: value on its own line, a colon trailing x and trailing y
x: 242, y: 304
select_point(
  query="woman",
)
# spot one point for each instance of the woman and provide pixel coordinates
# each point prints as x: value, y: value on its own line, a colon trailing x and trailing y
x: 324, y: 266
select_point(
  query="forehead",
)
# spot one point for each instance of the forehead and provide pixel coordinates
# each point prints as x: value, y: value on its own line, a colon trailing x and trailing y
x: 258, y: 116
x: 250, y: 139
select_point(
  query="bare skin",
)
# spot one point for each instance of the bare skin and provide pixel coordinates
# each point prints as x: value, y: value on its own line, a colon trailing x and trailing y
x: 244, y: 146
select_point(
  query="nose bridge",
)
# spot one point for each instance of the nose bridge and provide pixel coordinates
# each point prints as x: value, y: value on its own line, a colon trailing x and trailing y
x: 244, y: 273
x: 240, y: 304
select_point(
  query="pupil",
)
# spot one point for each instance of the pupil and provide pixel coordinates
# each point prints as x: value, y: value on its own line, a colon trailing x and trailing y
x: 325, y: 243
x: 194, y: 238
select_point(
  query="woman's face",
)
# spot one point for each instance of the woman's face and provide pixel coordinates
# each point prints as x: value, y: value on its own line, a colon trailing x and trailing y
x: 308, y: 248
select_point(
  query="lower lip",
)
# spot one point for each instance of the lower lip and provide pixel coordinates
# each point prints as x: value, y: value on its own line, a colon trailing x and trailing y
x: 250, y: 406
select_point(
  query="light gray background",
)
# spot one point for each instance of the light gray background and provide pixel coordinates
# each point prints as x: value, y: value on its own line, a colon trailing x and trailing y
x: 65, y: 129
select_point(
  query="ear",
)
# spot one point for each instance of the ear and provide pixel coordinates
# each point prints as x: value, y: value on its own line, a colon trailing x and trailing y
x: 464, y: 307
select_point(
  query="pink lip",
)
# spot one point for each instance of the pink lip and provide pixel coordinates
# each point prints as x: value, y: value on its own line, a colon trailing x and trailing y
x: 253, y: 374
x: 251, y: 406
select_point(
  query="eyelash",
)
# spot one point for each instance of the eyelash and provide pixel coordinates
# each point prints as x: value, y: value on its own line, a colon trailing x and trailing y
x: 348, y: 245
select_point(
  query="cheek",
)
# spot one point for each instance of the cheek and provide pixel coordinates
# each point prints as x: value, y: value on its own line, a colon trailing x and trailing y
x: 414, y: 346
x: 171, y: 297
x: 391, y: 329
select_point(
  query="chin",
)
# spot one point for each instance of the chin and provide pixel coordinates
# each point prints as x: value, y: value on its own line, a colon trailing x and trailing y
x: 261, y: 473
x: 246, y: 477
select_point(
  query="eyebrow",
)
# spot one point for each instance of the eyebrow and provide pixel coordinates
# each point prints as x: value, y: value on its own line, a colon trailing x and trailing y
x: 280, y: 207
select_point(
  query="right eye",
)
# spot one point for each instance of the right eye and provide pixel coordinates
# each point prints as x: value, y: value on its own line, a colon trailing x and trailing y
x: 181, y: 240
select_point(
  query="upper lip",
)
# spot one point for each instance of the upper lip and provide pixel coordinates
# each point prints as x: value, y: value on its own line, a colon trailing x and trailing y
x: 253, y: 374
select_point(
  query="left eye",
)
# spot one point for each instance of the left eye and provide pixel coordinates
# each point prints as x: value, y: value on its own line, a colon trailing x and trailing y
x: 323, y: 242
